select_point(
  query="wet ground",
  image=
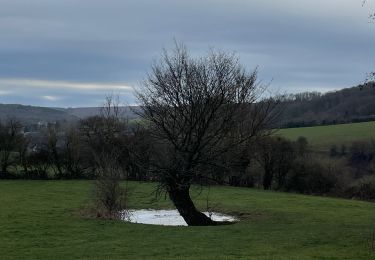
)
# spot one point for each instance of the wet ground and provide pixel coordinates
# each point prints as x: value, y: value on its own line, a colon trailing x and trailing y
x: 167, y: 217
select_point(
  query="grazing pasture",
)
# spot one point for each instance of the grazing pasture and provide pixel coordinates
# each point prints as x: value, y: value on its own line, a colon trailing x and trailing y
x: 321, y: 138
x: 42, y: 220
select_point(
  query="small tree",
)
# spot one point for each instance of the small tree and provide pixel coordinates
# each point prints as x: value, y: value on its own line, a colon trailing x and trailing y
x: 106, y: 136
x: 109, y: 196
x: 199, y: 109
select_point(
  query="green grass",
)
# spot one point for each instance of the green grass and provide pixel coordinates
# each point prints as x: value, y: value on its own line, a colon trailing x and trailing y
x: 39, y: 220
x: 323, y: 137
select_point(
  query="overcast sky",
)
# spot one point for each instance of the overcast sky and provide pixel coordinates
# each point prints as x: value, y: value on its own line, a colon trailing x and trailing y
x: 72, y: 52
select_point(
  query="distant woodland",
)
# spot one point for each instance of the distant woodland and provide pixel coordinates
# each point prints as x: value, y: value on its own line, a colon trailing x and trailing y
x: 348, y: 105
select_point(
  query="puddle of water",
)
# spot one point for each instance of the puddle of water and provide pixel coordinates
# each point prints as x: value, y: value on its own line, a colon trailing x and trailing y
x: 167, y: 217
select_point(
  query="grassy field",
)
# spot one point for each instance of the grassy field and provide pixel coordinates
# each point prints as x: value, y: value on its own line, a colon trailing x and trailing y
x: 323, y: 137
x: 40, y: 220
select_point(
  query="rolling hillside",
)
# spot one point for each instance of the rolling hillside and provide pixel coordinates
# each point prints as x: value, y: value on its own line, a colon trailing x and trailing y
x: 32, y: 115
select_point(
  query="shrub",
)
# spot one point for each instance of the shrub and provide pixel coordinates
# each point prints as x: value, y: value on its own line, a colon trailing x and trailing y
x: 38, y: 165
x: 109, y: 196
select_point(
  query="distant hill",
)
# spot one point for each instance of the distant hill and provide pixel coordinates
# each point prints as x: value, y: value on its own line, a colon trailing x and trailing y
x: 32, y: 114
x: 350, y: 105
x: 84, y: 112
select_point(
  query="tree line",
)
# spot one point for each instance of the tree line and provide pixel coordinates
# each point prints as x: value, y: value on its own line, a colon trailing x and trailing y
x: 81, y: 151
x: 348, y: 105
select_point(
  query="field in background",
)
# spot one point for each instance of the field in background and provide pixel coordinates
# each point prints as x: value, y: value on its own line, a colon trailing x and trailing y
x: 40, y: 220
x: 321, y: 138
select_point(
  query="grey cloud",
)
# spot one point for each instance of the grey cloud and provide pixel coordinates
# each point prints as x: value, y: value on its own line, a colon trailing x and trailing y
x: 312, y: 44
x: 62, y: 97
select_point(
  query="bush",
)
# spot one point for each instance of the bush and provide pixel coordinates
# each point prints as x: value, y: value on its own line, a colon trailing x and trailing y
x: 38, y: 165
x: 109, y: 196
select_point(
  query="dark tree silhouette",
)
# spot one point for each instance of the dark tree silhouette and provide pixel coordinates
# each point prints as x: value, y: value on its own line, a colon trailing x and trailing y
x: 275, y: 155
x: 199, y: 109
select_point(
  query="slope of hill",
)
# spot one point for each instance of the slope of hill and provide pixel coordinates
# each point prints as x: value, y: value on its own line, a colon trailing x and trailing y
x: 83, y: 112
x: 348, y: 105
x: 32, y: 114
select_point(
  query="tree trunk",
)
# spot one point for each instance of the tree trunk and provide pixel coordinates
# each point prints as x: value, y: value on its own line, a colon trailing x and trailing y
x: 185, y: 206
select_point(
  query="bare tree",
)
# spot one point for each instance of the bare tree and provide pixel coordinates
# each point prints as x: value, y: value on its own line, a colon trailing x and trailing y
x: 106, y: 132
x: 275, y: 155
x: 106, y: 135
x: 199, y: 109
x: 109, y: 195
